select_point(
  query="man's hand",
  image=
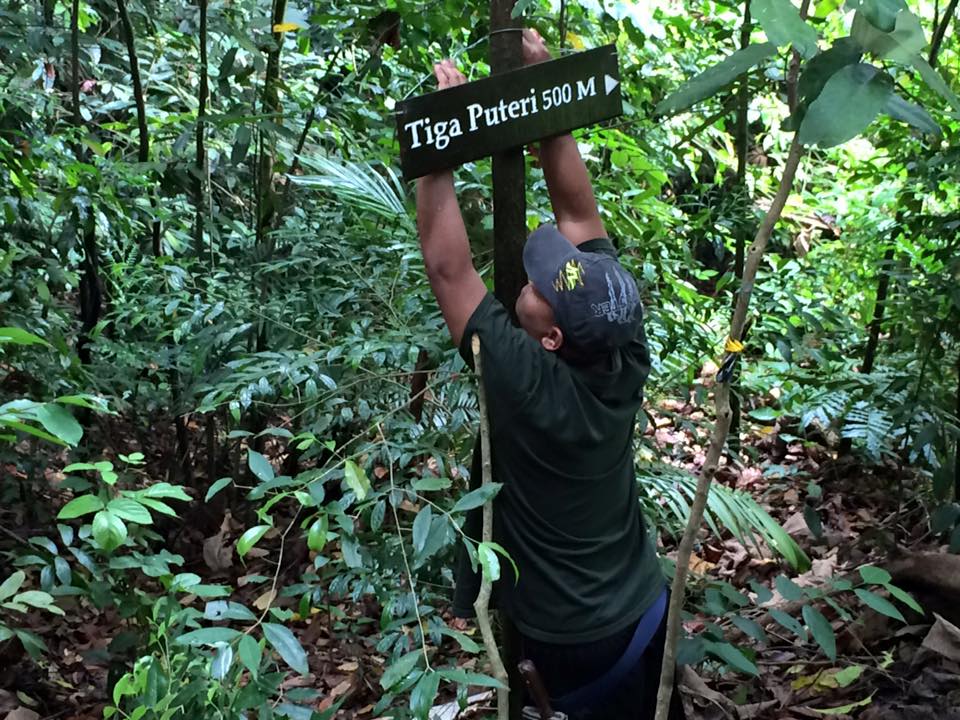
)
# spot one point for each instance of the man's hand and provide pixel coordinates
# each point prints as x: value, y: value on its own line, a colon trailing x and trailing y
x: 447, y: 75
x: 534, y: 49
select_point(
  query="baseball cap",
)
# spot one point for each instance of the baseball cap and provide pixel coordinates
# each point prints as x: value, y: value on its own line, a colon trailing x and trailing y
x: 596, y: 301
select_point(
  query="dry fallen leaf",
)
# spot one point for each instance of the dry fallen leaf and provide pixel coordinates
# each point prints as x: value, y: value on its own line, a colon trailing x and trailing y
x: 944, y: 638
x: 265, y: 600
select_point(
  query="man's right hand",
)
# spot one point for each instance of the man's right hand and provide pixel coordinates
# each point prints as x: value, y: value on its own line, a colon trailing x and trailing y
x: 534, y: 49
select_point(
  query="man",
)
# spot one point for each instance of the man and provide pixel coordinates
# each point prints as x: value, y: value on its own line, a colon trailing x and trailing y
x: 563, y: 390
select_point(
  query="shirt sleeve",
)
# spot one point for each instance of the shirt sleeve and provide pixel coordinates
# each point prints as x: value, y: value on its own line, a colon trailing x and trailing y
x: 514, y: 364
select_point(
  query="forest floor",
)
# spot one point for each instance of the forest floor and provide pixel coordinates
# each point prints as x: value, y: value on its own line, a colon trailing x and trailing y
x: 885, y: 669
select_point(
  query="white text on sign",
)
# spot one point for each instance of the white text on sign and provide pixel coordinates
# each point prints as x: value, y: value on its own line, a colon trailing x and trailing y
x: 440, y: 133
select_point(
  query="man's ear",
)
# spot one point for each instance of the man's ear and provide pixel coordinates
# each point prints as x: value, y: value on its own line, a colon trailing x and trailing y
x: 553, y: 339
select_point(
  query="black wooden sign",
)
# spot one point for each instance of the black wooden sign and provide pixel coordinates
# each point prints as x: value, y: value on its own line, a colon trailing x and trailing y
x: 463, y: 123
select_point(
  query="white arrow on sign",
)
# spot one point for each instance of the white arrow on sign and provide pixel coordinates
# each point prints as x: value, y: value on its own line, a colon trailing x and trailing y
x: 609, y: 83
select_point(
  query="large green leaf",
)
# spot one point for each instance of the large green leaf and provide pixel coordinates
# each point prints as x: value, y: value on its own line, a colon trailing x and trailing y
x: 849, y: 102
x: 208, y: 636
x: 880, y: 604
x: 424, y: 693
x: 83, y: 505
x: 711, y: 80
x: 11, y: 584
x: 936, y: 83
x: 250, y: 538
x: 881, y: 13
x: 476, y: 498
x: 821, y: 630
x: 16, y: 336
x: 400, y: 669
x: 259, y: 466
x: 783, y: 25
x: 108, y: 530
x: 910, y: 113
x: 356, y: 479
x: 131, y: 510
x: 421, y: 528
x: 59, y: 422
x: 250, y: 654
x: 285, y: 643
x: 845, y: 51
x: 900, y: 45
x: 732, y: 656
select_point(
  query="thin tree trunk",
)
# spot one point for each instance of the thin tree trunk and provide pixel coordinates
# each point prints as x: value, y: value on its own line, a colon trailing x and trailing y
x: 743, y: 136
x: 143, y: 150
x: 200, y: 168
x: 956, y: 450
x: 940, y: 32
x: 719, y: 436
x: 270, y: 105
x: 482, y: 604
x: 509, y: 191
x: 794, y: 71
x: 90, y: 293
x: 883, y: 287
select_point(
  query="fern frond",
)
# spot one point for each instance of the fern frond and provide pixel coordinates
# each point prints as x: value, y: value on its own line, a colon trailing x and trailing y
x: 356, y: 183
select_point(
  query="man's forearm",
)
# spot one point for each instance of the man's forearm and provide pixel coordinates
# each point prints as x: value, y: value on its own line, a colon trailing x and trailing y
x: 443, y: 236
x: 571, y: 192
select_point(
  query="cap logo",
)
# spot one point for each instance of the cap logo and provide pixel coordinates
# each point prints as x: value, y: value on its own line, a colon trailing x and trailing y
x: 569, y: 277
x: 619, y: 306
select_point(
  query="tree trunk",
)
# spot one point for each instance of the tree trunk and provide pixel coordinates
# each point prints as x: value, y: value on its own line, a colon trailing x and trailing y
x: 718, y: 439
x: 270, y: 106
x: 509, y: 191
x: 940, y: 32
x: 743, y: 227
x: 883, y: 287
x: 200, y: 169
x: 956, y: 450
x: 143, y: 150
x: 90, y: 288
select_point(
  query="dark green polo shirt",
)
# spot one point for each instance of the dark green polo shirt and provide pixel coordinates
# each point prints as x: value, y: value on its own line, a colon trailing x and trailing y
x: 568, y: 514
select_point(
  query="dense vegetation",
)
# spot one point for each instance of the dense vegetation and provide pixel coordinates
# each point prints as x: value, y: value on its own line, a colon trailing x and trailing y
x: 235, y: 439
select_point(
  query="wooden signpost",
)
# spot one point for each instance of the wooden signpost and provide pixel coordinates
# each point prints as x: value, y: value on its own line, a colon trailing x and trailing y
x: 481, y: 118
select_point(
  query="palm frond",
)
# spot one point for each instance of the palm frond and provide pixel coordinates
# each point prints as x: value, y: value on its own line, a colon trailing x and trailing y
x: 356, y: 183
x: 665, y: 496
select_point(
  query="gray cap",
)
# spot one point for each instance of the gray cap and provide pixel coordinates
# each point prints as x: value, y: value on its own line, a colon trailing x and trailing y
x: 596, y: 301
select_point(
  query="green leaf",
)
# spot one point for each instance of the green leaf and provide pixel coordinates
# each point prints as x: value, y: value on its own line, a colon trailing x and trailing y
x: 220, y: 665
x: 874, y: 575
x: 844, y: 709
x: 317, y: 534
x: 465, y: 677
x: 108, y: 530
x: 520, y: 7
x: 849, y: 102
x: 750, y: 628
x: 160, y: 507
x: 424, y: 693
x: 60, y: 423
x: 466, y: 644
x: 431, y: 483
x: 16, y: 336
x: 707, y: 83
x: 250, y: 654
x: 400, y: 669
x: 83, y: 505
x: 130, y: 510
x: 260, y: 466
x: 789, y: 589
x: 250, y: 538
x: 356, y: 479
x: 421, y: 528
x: 12, y: 584
x: 476, y: 498
x: 217, y: 487
x: 821, y: 630
x: 733, y: 657
x: 904, y: 597
x: 816, y: 73
x: 848, y: 675
x: 208, y: 636
x: 881, y: 605
x: 788, y: 622
x: 489, y: 561
x: 910, y: 113
x: 934, y: 80
x: 165, y: 490
x: 881, y: 13
x: 783, y: 25
x: 284, y: 642
x: 900, y: 45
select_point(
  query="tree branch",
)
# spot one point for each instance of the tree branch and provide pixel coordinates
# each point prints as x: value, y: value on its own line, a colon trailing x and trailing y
x: 482, y: 604
x: 720, y: 430
x: 941, y: 32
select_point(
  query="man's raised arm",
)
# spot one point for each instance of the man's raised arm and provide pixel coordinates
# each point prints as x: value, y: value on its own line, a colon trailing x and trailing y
x: 443, y: 238
x: 568, y: 182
